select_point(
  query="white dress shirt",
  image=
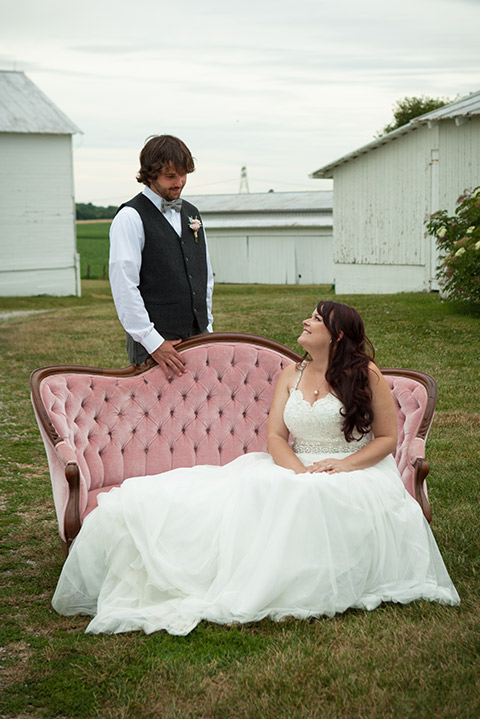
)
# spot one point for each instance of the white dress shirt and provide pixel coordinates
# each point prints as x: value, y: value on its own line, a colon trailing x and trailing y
x: 127, y: 240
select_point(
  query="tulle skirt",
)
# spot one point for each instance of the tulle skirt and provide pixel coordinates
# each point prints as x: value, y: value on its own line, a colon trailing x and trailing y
x: 249, y: 540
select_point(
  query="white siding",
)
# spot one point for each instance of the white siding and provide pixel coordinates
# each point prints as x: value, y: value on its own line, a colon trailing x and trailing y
x: 271, y: 259
x: 380, y: 202
x: 257, y: 256
x: 37, y: 215
x: 459, y: 160
x: 314, y: 258
x: 378, y: 279
x: 229, y: 256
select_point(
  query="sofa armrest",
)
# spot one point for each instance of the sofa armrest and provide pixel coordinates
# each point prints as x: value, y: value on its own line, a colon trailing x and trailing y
x: 416, y: 449
x: 66, y: 462
x: 65, y: 476
x: 65, y: 453
x: 72, y: 522
x: 422, y: 468
x: 416, y: 457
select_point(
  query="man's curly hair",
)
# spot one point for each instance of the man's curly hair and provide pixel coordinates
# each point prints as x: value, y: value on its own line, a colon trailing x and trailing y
x: 162, y: 151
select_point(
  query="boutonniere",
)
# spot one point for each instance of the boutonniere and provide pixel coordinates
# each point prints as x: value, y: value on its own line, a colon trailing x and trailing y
x: 194, y: 225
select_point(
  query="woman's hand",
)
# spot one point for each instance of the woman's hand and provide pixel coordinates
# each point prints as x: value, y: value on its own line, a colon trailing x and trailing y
x: 331, y: 466
x: 384, y: 430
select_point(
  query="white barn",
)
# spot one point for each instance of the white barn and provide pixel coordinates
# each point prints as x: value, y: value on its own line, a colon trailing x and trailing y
x: 385, y: 190
x: 270, y: 237
x: 37, y: 206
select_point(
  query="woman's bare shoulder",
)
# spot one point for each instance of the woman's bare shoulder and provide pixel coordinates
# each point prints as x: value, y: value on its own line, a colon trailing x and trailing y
x: 289, y: 375
x: 378, y: 383
x: 376, y: 376
x: 375, y: 369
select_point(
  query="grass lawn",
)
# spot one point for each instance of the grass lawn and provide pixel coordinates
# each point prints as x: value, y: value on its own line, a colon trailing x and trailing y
x: 416, y: 661
x: 93, y: 245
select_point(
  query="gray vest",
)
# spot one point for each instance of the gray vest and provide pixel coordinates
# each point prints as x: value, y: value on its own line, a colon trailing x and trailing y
x: 173, y: 274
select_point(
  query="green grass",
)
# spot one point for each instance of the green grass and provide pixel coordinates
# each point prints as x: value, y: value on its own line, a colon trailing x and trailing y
x: 93, y: 246
x: 417, y: 661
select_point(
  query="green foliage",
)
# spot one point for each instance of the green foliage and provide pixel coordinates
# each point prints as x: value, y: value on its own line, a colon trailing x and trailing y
x: 92, y: 245
x: 409, y: 108
x: 94, y: 212
x: 458, y: 238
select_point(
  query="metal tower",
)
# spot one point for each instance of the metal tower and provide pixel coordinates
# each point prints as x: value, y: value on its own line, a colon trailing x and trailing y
x: 243, y: 180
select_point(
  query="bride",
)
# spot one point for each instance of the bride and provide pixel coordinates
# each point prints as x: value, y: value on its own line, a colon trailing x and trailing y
x: 310, y: 529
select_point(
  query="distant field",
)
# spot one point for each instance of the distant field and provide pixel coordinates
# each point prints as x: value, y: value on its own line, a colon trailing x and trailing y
x: 92, y: 244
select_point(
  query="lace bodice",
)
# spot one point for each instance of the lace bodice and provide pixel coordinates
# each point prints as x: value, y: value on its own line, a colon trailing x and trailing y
x: 317, y: 428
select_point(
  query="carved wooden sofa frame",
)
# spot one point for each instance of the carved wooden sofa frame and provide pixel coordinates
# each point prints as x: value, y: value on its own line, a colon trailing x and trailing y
x: 101, y: 426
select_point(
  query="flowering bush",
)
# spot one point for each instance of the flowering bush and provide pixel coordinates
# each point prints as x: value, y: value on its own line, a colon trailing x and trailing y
x: 458, y: 238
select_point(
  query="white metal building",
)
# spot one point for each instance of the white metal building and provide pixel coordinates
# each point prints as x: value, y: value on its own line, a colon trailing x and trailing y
x: 37, y: 205
x: 385, y: 190
x: 271, y: 238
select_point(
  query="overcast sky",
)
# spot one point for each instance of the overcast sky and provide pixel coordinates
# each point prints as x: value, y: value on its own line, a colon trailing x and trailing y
x: 282, y: 87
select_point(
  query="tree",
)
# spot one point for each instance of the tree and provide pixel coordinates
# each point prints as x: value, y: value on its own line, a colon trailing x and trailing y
x: 411, y: 107
x: 94, y: 212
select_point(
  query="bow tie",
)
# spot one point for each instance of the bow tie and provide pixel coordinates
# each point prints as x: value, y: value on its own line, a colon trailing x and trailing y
x: 173, y: 205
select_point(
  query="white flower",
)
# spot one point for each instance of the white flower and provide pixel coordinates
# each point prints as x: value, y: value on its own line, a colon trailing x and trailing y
x: 477, y: 245
x: 194, y: 224
x: 460, y: 252
x: 442, y: 231
x: 470, y: 229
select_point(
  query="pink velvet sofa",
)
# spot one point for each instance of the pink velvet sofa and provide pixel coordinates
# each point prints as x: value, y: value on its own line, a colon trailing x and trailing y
x: 101, y: 426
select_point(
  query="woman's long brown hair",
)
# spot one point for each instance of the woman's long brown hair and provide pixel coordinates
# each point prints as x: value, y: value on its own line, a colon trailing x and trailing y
x: 347, y: 372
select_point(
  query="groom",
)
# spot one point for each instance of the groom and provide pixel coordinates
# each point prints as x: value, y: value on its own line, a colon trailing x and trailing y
x: 160, y: 272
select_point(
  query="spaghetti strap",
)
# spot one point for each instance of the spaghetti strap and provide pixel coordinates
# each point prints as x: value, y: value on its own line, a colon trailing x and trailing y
x: 300, y: 372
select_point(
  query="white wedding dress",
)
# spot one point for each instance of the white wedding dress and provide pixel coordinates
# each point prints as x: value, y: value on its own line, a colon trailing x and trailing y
x: 251, y: 539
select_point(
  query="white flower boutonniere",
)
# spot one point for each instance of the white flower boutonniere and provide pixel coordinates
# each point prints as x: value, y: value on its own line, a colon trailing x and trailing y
x: 194, y: 225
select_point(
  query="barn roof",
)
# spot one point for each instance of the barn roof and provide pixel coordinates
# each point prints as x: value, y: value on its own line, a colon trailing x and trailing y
x: 266, y: 209
x: 460, y: 111
x: 25, y: 109
x: 318, y: 200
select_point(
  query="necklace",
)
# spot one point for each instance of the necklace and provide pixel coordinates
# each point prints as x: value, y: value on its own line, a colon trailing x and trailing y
x: 316, y: 392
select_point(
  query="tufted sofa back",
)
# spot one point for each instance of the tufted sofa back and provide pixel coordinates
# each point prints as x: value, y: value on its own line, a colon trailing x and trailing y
x: 122, y: 427
x: 104, y: 426
x: 115, y: 424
